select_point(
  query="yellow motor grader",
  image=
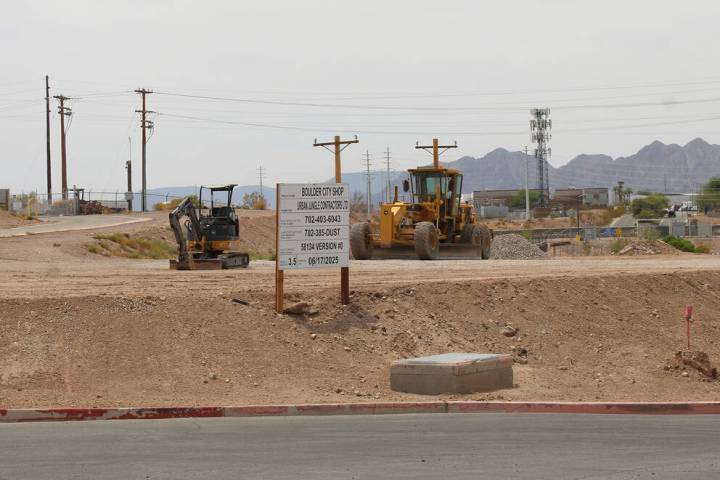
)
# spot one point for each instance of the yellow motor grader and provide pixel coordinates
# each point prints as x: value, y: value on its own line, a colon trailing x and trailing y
x: 434, y: 223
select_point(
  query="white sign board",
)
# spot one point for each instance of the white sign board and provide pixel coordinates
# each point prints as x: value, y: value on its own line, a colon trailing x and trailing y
x: 313, y: 225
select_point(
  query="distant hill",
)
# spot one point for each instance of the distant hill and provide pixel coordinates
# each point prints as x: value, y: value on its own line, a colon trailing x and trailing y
x: 656, y: 167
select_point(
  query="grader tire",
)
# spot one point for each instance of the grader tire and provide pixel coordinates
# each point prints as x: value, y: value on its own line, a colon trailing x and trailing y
x: 427, y: 243
x: 485, y: 241
x: 361, y: 244
x: 470, y: 235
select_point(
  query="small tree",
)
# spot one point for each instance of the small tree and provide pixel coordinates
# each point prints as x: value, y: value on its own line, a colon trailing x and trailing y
x: 253, y: 201
x: 709, y: 199
x: 518, y: 201
x: 652, y: 206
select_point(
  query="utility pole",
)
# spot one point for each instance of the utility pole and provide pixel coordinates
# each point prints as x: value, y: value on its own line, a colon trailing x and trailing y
x: 540, y: 126
x: 47, y: 140
x: 435, y: 148
x: 339, y: 145
x: 387, y: 175
x: 145, y: 124
x: 368, y: 178
x: 260, y: 176
x: 527, y: 180
x: 128, y: 166
x: 64, y: 112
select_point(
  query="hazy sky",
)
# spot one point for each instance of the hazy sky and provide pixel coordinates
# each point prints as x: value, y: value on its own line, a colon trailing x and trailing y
x: 392, y: 71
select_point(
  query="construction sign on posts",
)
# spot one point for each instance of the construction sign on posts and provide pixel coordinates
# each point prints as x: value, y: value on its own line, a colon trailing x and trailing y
x: 313, y: 228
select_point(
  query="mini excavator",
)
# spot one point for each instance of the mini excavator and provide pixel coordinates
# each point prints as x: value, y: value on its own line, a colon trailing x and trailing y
x: 210, y: 237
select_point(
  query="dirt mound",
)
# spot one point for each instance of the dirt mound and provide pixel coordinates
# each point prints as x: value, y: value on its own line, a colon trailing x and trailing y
x: 697, y: 361
x: 8, y: 220
x: 514, y: 247
x: 645, y: 247
x: 576, y: 339
x: 257, y: 234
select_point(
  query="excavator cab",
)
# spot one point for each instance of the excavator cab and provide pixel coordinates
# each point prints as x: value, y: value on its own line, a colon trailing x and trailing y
x: 219, y: 221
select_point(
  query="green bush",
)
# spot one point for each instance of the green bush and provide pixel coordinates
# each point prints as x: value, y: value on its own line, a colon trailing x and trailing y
x: 518, y: 201
x: 652, y: 206
x: 618, y: 244
x: 681, y: 244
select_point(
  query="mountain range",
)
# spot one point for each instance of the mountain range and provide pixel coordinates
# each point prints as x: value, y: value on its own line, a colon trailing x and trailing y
x: 656, y: 167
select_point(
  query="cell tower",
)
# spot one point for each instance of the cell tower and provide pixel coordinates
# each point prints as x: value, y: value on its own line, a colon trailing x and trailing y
x: 540, y: 126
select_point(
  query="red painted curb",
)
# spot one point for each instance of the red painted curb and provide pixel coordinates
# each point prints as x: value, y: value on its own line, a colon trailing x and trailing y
x: 78, y: 414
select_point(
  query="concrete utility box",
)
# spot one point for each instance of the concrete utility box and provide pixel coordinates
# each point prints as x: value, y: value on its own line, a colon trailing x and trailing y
x: 452, y: 373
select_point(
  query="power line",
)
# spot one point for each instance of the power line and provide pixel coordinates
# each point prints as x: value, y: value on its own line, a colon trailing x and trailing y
x: 387, y: 174
x: 368, y: 176
x: 260, y: 177
x: 438, y: 108
x: 63, y: 111
x: 145, y: 125
x: 47, y: 140
x: 484, y: 133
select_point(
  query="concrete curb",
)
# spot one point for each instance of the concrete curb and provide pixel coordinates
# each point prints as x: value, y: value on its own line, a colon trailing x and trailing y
x: 324, y: 409
x: 616, y: 408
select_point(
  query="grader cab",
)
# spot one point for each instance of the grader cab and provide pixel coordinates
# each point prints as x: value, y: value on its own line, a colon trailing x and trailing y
x: 435, y: 221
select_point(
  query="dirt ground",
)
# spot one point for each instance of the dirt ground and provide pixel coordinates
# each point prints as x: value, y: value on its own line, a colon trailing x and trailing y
x: 78, y: 329
x: 8, y: 220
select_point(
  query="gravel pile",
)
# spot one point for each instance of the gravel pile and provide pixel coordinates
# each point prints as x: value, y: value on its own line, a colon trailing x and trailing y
x: 514, y: 247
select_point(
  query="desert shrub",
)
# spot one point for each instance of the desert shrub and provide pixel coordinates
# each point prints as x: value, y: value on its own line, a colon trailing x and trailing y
x: 682, y: 244
x: 649, y: 234
x: 607, y: 216
x: 260, y: 204
x: 123, y: 245
x: 172, y: 204
x: 618, y: 244
x: 702, y: 249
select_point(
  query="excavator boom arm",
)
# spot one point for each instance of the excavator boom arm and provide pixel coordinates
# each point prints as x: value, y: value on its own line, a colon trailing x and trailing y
x: 185, y: 209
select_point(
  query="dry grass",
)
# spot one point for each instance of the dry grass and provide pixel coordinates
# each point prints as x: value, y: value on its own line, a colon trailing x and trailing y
x: 161, y: 206
x: 123, y: 245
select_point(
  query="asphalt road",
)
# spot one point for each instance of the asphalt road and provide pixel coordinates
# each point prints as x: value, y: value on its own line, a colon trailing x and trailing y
x: 472, y: 446
x: 75, y: 222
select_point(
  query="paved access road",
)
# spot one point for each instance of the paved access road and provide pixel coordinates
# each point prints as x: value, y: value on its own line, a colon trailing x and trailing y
x: 472, y: 446
x: 65, y: 224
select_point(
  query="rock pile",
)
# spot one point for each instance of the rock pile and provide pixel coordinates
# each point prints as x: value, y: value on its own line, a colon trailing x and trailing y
x: 514, y: 247
x: 643, y: 247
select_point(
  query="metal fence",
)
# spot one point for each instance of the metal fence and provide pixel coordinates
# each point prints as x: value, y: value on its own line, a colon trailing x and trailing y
x: 540, y: 235
x: 36, y: 204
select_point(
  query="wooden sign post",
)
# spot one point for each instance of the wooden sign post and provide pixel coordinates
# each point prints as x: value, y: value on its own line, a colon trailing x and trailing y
x: 339, y: 146
x: 688, y: 319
